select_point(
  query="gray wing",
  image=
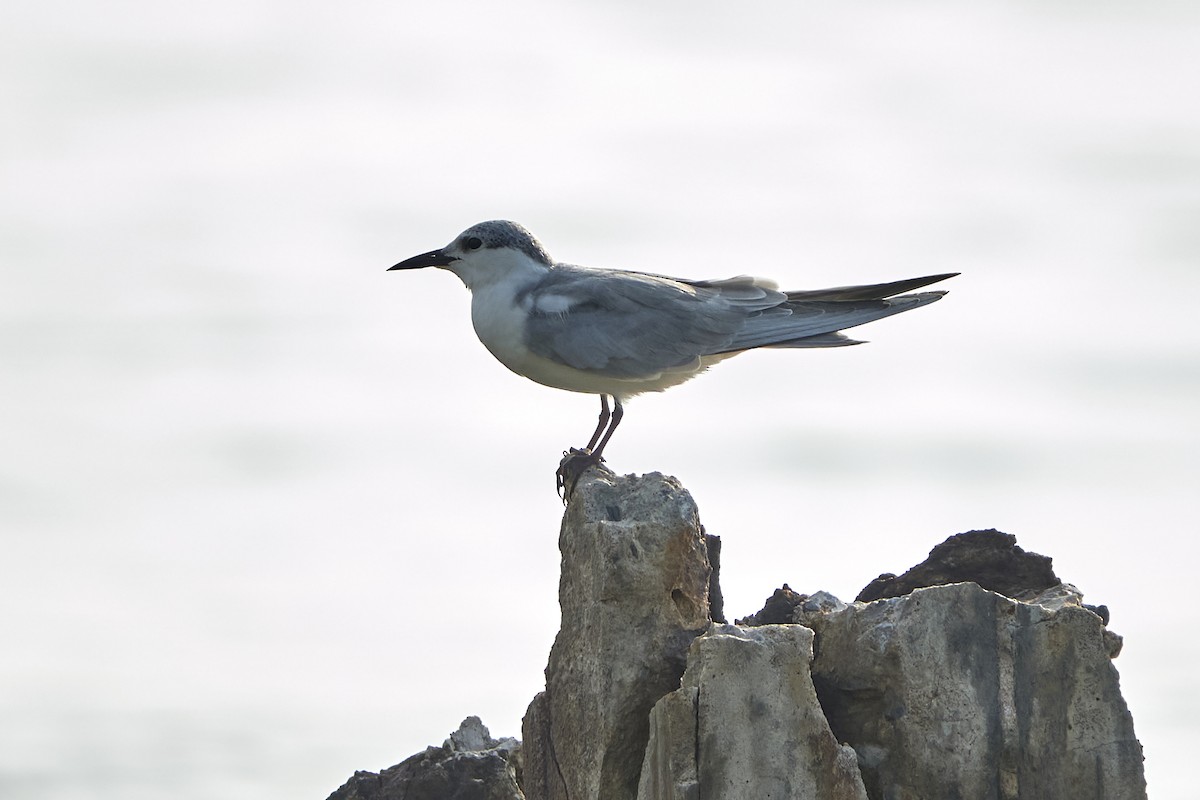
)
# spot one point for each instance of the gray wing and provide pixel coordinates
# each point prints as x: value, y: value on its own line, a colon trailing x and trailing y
x: 630, y: 325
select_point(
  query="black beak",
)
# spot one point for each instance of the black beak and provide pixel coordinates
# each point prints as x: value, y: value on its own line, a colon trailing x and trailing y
x: 434, y: 258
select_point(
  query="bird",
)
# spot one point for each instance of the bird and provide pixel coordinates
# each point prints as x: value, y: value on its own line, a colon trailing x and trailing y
x: 619, y: 333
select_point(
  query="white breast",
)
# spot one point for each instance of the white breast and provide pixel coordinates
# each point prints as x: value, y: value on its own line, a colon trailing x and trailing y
x: 500, y: 323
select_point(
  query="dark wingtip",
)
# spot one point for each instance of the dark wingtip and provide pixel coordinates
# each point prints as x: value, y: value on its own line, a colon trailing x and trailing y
x: 874, y: 291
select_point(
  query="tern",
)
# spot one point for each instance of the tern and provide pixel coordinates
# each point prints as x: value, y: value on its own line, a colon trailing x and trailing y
x: 617, y: 334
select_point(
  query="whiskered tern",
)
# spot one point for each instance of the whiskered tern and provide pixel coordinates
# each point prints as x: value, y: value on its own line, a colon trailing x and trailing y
x: 618, y: 334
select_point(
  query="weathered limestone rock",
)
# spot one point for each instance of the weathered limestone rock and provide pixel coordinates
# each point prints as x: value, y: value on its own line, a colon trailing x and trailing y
x: 634, y: 594
x: 956, y: 691
x: 746, y: 724
x: 470, y: 765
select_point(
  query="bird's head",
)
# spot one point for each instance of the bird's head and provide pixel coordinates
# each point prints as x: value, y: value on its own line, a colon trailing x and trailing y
x: 486, y: 252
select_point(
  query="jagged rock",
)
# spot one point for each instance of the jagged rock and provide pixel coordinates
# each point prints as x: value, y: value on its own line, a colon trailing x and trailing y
x: 778, y: 608
x: 817, y: 601
x: 746, y: 724
x: 470, y: 765
x: 787, y: 605
x: 716, y: 600
x: 945, y: 691
x: 634, y: 594
x: 989, y: 558
x: 1064, y: 594
x: 955, y: 691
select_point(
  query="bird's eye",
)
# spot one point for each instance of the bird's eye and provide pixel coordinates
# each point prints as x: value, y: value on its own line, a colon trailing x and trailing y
x: 473, y: 243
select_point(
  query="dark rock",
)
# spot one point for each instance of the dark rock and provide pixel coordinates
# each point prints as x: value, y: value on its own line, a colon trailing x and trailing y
x: 470, y: 765
x: 988, y: 558
x: 778, y: 610
x: 716, y: 600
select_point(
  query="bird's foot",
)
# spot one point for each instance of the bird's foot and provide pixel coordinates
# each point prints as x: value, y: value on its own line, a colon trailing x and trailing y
x: 574, y: 463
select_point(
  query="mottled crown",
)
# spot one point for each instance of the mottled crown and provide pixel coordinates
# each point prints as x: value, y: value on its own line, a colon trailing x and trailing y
x: 502, y: 233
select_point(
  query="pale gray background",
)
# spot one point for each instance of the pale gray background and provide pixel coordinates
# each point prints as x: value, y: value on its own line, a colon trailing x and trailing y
x: 271, y: 514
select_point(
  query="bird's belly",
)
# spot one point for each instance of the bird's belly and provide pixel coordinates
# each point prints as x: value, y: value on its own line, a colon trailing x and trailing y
x: 503, y: 335
x: 501, y: 328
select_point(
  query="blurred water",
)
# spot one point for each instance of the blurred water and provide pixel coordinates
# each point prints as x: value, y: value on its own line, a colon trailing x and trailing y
x: 271, y: 515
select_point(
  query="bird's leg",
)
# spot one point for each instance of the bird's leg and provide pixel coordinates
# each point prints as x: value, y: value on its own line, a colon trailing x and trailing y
x: 575, y: 462
x: 604, y: 417
x: 617, y: 412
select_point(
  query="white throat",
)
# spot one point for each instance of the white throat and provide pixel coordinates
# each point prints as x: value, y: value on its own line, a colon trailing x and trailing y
x: 500, y: 267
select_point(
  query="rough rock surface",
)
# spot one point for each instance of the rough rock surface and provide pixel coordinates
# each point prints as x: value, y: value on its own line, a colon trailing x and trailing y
x: 989, y: 558
x: 746, y: 724
x: 470, y: 765
x: 634, y: 594
x: 934, y: 691
x: 955, y: 691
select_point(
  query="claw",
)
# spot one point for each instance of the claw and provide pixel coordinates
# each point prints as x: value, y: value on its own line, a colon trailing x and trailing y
x: 574, y: 463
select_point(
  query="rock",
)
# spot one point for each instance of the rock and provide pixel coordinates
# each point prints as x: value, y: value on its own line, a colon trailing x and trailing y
x: 778, y: 609
x: 470, y: 765
x: 786, y: 605
x: 634, y: 593
x: 746, y: 724
x: 473, y: 736
x: 818, y: 601
x: 1065, y: 594
x: 716, y: 600
x: 997, y: 685
x: 955, y: 691
x: 989, y: 558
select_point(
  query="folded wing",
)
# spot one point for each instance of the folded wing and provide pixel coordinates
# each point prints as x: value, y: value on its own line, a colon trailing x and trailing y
x: 635, y: 325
